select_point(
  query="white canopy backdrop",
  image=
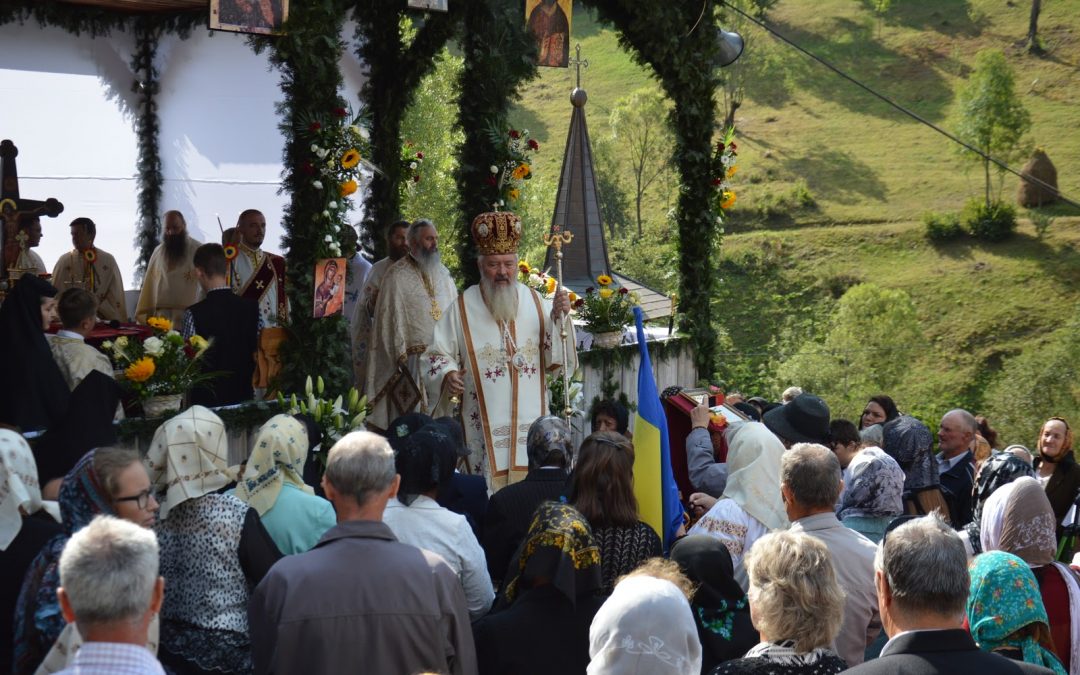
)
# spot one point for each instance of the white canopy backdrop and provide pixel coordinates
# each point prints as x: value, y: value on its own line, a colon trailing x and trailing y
x: 67, y: 104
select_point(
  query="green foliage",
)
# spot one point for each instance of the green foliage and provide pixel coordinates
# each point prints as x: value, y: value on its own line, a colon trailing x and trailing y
x: 995, y: 221
x: 991, y: 116
x: 429, y: 125
x: 871, y: 340
x: 499, y: 57
x: 639, y: 127
x: 614, y: 203
x: 80, y: 19
x: 943, y: 226
x: 307, y: 55
x: 1041, y: 222
x: 398, y: 54
x: 1038, y: 383
x: 146, y: 130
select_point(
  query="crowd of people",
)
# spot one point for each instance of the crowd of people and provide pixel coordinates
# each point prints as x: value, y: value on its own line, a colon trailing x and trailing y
x: 466, y: 531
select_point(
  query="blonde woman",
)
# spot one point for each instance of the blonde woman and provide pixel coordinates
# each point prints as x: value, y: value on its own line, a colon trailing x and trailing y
x: 795, y: 604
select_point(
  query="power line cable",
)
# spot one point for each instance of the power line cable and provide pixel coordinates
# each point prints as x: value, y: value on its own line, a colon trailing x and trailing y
x: 910, y: 113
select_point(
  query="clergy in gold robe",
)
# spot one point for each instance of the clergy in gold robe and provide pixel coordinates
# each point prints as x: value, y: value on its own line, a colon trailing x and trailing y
x: 92, y: 269
x: 415, y: 292
x: 258, y: 275
x: 491, y: 353
x: 170, y: 286
x: 364, y: 309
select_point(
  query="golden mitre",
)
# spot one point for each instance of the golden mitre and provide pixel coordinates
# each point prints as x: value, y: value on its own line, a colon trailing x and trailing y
x: 496, y: 233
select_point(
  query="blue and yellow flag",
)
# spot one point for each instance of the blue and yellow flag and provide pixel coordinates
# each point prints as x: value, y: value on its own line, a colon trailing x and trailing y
x: 654, y: 483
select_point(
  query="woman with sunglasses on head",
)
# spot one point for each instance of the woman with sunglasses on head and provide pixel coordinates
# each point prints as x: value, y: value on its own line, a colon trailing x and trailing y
x: 602, y: 489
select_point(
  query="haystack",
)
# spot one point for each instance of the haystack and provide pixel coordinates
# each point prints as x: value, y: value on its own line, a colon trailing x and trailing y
x: 1033, y: 194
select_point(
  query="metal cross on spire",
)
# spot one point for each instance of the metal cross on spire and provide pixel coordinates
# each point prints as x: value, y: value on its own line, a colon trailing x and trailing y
x: 578, y: 63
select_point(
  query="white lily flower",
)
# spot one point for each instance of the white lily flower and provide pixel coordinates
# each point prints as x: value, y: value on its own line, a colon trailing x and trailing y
x: 317, y: 184
x: 333, y: 205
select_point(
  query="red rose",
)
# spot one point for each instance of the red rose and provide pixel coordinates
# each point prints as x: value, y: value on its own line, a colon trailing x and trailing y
x: 720, y: 146
x: 717, y: 181
x: 533, y: 145
x: 308, y: 168
x: 491, y: 180
x: 579, y: 303
x: 732, y: 146
x: 341, y: 112
x: 590, y: 290
x: 416, y: 179
x: 419, y: 155
x: 515, y: 134
x: 624, y: 290
x: 314, y: 126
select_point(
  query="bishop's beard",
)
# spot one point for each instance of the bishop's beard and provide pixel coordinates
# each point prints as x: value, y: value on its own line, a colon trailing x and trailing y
x: 175, y: 248
x: 430, y: 263
x: 501, y: 301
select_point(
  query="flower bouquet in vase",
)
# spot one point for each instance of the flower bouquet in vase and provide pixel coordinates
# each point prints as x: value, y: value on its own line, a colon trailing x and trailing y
x: 161, y: 369
x: 606, y: 311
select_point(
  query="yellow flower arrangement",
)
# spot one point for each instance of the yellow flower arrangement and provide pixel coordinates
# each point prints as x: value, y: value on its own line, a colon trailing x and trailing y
x: 160, y: 323
x: 141, y: 370
x: 199, y: 343
x: 732, y: 171
x: 573, y: 296
x: 606, y: 293
x: 521, y: 172
x: 348, y: 187
x: 549, y: 285
x: 729, y: 200
x: 513, y: 194
x: 523, y: 267
x: 350, y: 159
x: 603, y: 280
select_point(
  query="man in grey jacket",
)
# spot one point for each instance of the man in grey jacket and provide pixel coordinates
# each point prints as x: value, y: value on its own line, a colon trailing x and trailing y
x: 360, y: 599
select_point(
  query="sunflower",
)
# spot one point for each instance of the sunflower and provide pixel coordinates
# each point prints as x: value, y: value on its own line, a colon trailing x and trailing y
x: 141, y: 370
x: 348, y: 187
x: 350, y: 159
x: 513, y: 193
x: 573, y: 296
x: 603, y: 280
x: 521, y: 172
x: 728, y: 201
x: 549, y: 285
x: 732, y: 171
x: 523, y: 267
x: 89, y: 255
x: 159, y: 322
x: 606, y: 293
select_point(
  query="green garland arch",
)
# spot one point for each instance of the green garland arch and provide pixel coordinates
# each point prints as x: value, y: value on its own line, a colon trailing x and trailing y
x: 678, y: 42
x: 146, y: 130
x: 394, y: 71
x: 500, y: 56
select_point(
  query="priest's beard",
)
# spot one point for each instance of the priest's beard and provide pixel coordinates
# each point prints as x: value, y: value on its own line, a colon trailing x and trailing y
x: 430, y: 262
x: 502, y: 300
x: 175, y: 248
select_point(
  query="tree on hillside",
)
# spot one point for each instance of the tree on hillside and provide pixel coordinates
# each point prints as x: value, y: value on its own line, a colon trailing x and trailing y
x: 991, y: 116
x: 881, y: 8
x: 736, y: 75
x: 872, y: 338
x: 1033, y: 46
x: 639, y: 126
x: 614, y: 205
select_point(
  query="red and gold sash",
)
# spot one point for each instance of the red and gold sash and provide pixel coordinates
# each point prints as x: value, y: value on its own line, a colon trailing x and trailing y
x: 272, y: 267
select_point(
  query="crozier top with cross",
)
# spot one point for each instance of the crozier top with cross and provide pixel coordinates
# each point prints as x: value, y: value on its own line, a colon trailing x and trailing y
x: 12, y: 205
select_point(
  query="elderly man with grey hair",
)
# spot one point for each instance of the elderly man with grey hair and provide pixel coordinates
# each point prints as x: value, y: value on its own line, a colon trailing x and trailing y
x: 810, y: 483
x: 921, y: 574
x: 413, y: 295
x: 109, y: 585
x: 956, y: 463
x: 361, y: 599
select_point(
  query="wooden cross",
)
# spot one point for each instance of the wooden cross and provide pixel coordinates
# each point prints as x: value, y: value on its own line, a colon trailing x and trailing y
x: 12, y: 206
x: 578, y: 63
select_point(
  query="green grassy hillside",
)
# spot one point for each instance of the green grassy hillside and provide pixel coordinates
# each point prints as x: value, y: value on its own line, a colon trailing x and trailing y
x: 867, y: 174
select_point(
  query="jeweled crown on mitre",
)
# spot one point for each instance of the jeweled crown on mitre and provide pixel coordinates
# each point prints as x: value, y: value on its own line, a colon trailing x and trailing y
x: 496, y: 233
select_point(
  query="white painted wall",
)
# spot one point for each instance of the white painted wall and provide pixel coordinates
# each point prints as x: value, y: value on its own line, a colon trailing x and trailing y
x: 66, y: 102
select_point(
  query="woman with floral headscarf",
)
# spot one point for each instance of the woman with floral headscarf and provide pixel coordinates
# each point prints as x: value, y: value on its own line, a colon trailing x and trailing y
x: 213, y: 547
x: 999, y: 470
x: 1018, y: 519
x: 554, y: 591
x: 273, y: 485
x: 25, y: 527
x: 1005, y: 612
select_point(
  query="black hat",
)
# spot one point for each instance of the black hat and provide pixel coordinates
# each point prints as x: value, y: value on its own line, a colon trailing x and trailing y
x: 804, y: 420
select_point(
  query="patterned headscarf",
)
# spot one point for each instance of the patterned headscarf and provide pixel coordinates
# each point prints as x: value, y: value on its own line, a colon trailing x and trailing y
x: 18, y: 485
x: 645, y: 627
x: 548, y: 434
x: 999, y: 470
x: 281, y: 448
x: 754, y: 473
x: 38, y: 621
x: 909, y: 442
x: 1004, y: 599
x: 559, y: 546
x: 188, y: 458
x: 1018, y: 519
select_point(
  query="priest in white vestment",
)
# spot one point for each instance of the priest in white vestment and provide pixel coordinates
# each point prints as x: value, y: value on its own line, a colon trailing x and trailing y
x: 92, y: 269
x: 258, y: 275
x: 414, y: 294
x: 492, y: 351
x: 364, y: 310
x: 170, y: 286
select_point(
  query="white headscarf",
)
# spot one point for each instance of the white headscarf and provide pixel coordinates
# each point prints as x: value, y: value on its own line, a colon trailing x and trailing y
x: 18, y: 485
x: 1017, y: 518
x: 753, y: 482
x: 645, y: 627
x: 188, y: 458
